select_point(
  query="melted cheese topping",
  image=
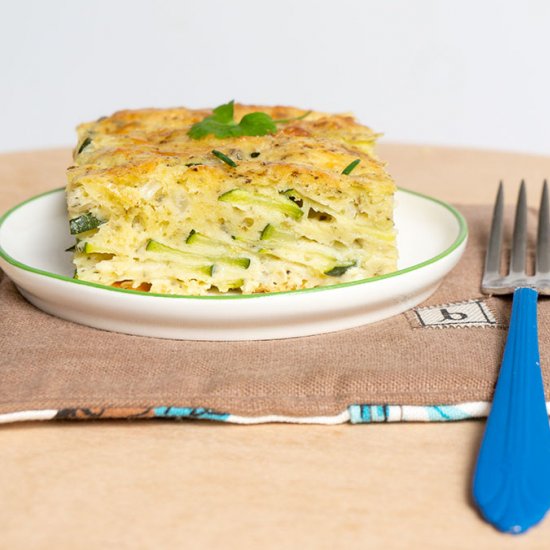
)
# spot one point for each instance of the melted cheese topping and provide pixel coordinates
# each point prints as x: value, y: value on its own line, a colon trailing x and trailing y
x: 177, y: 219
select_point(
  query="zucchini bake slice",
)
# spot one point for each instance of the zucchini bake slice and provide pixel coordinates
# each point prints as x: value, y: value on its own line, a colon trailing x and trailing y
x: 192, y: 202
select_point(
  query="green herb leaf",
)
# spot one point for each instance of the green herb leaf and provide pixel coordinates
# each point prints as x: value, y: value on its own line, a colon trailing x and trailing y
x: 347, y: 170
x: 210, y: 126
x: 257, y: 124
x: 221, y: 124
x: 224, y: 113
x: 224, y: 158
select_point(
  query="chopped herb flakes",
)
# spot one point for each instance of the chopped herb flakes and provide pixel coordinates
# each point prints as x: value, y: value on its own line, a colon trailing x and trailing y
x: 348, y: 169
x: 224, y: 158
x: 84, y: 144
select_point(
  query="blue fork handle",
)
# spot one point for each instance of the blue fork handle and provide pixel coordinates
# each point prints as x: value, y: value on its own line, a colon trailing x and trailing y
x: 512, y: 477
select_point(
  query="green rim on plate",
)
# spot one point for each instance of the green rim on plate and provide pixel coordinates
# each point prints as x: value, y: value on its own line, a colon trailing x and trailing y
x: 462, y: 234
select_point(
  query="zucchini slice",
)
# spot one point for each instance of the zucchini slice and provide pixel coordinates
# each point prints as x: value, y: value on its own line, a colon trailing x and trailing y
x: 281, y: 204
x: 312, y: 259
x: 88, y: 248
x: 155, y: 246
x: 84, y: 144
x: 83, y: 223
x: 236, y: 284
x: 198, y: 239
x: 194, y: 262
x: 300, y: 199
x: 272, y: 233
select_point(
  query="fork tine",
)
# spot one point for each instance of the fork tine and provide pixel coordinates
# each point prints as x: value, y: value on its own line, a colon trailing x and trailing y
x: 492, y: 259
x: 543, y: 234
x: 519, y: 240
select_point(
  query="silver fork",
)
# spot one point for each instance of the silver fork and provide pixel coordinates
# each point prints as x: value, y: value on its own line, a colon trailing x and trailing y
x: 512, y: 479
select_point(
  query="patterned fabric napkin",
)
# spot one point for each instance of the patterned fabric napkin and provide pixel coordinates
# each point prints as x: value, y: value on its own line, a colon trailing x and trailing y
x: 438, y: 361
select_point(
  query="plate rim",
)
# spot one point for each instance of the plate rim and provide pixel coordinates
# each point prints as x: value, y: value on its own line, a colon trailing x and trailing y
x: 461, y: 237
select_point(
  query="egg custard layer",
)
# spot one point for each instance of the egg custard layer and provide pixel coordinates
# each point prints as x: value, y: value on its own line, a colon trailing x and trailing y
x: 306, y: 205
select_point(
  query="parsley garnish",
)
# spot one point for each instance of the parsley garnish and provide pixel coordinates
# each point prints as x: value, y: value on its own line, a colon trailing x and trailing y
x: 225, y: 158
x: 347, y: 170
x: 222, y: 124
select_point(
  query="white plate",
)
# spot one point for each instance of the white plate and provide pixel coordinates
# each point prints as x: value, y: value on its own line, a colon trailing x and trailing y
x: 34, y: 235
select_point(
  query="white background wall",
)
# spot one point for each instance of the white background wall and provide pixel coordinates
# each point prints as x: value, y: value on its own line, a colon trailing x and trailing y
x: 471, y: 73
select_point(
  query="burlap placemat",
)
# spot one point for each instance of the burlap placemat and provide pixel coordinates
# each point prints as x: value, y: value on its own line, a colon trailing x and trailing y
x: 436, y: 362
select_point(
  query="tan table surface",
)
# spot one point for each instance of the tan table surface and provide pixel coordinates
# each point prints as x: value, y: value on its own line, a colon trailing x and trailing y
x: 158, y: 484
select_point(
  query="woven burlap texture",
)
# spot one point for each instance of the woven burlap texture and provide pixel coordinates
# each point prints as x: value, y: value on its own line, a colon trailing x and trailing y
x: 49, y: 363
